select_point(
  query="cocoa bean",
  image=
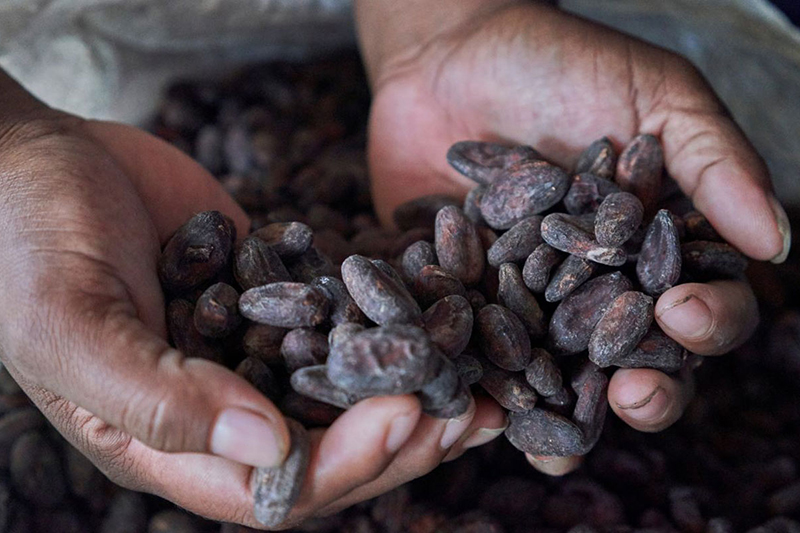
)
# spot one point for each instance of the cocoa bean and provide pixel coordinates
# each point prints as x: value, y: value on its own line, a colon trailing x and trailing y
x: 513, y: 294
x: 560, y: 232
x: 304, y: 347
x: 216, y: 314
x: 586, y: 193
x: 458, y: 246
x: 287, y: 239
x: 621, y: 327
x: 569, y: 275
x: 536, y: 271
x: 618, y: 218
x: 285, y: 305
x: 378, y: 295
x: 659, y: 264
x: 517, y: 243
x: 421, y: 212
x: 640, y: 168
x: 483, y: 162
x: 449, y: 324
x: 503, y: 337
x: 599, y: 158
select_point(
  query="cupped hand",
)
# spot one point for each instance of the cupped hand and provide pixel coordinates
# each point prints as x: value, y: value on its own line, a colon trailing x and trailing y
x: 529, y: 74
x: 86, y: 209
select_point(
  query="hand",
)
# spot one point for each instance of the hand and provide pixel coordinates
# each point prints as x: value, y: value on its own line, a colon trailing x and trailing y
x: 86, y: 208
x: 522, y: 72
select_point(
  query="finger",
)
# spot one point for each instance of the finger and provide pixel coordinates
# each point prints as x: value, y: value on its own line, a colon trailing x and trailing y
x: 425, y: 450
x: 708, y: 318
x: 649, y: 400
x: 117, y: 369
x: 555, y: 466
x: 709, y: 156
x: 488, y: 424
x: 173, y: 186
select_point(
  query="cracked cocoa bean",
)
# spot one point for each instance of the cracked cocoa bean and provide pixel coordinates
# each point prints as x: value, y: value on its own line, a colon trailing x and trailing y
x: 196, y: 252
x: 640, y: 168
x: 618, y: 218
x: 378, y: 295
x: 523, y: 189
x: 255, y: 263
x: 562, y: 233
x: 621, y: 328
x: 458, y: 246
x: 303, y: 347
x: 536, y: 271
x: 659, y: 265
x: 513, y: 294
x: 285, y: 305
x: 393, y: 359
x: 483, y: 162
x: 543, y: 373
x: 517, y: 243
x: 574, y: 319
x: 276, y: 489
x: 569, y: 275
x: 503, y: 337
x: 449, y: 324
x: 287, y: 239
x: 586, y: 193
x: 599, y: 158
x: 705, y: 260
x: 421, y: 212
x: 540, y: 432
x: 216, y: 313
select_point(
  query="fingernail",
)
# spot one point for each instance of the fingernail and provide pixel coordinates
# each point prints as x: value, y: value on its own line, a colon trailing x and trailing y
x: 483, y: 435
x: 688, y: 317
x: 784, y: 227
x: 648, y: 408
x: 554, y: 466
x: 455, y: 428
x: 246, y: 437
x: 400, y: 430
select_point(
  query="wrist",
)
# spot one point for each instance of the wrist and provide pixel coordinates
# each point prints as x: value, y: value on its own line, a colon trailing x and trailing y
x: 392, y: 33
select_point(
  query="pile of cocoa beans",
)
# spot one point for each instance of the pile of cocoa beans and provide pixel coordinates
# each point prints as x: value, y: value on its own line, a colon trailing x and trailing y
x: 532, y: 290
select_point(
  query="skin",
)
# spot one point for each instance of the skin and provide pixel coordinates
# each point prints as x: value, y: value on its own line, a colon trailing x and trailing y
x: 87, y: 206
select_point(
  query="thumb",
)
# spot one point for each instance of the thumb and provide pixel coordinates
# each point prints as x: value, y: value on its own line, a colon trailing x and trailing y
x: 133, y: 380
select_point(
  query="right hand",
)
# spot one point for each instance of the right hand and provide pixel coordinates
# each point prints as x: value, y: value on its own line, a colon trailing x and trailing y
x: 86, y: 208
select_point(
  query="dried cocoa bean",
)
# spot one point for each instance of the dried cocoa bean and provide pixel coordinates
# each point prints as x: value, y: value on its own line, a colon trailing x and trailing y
x: 416, y: 256
x: 536, y: 271
x: 196, y: 252
x: 458, y: 246
x: 640, y: 168
x: 590, y: 409
x: 618, y: 218
x: 285, y: 305
x: 185, y: 336
x: 469, y: 368
x: 287, y: 239
x: 503, y: 337
x: 560, y: 232
x: 698, y: 228
x: 523, y: 189
x: 621, y: 327
x: 309, y: 412
x: 343, y: 308
x: 655, y: 350
x: 444, y: 395
x: 659, y: 264
x: 312, y: 381
x: 276, y: 489
x: 472, y: 205
x: 434, y: 283
x: 483, y: 162
x: 449, y: 324
x: 380, y: 296
x: 172, y: 521
x: 540, y: 432
x: 586, y: 193
x: 517, y: 243
x: 216, y: 314
x: 509, y: 389
x: 264, y: 342
x: 543, y: 373
x: 599, y: 159
x: 705, y: 260
x: 513, y: 294
x: 304, y: 347
x: 576, y: 316
x: 256, y: 264
x: 258, y: 374
x: 310, y: 265
x: 569, y: 275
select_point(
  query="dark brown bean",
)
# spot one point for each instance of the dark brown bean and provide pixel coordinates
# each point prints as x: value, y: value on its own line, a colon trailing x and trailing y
x: 586, y: 193
x: 407, y: 238
x: 523, y: 189
x: 393, y: 359
x: 540, y: 432
x: 517, y: 243
x: 458, y: 246
x: 513, y: 294
x: 476, y: 300
x: 621, y: 327
x: 258, y: 374
x: 444, y: 395
x: 380, y: 296
x: 563, y: 233
x: 216, y: 314
x: 576, y: 316
x: 196, y: 252
x: 255, y: 263
x: 343, y: 307
x: 561, y: 403
x: 264, y: 342
x: 569, y: 275
x: 312, y: 381
x: 185, y: 336
x: 304, y: 347
x: 705, y: 260
x: 472, y: 205
x: 640, y: 168
x: 287, y: 239
x: 659, y: 264
x: 36, y: 471
x: 543, y: 373
x: 469, y: 368
x: 590, y: 409
x: 285, y: 305
x: 449, y: 324
x: 276, y: 489
x: 599, y: 159
x: 416, y: 256
x: 310, y: 265
x: 421, y: 212
x: 618, y: 218
x: 509, y: 389
x: 434, y: 283
x: 503, y: 337
x: 483, y: 162
x: 698, y: 228
x: 655, y: 350
x: 311, y: 413
x: 536, y: 271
